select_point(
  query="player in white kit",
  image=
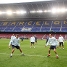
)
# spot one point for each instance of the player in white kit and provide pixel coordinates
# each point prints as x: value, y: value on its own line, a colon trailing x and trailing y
x: 52, y: 41
x: 12, y: 37
x: 61, y: 41
x: 32, y: 41
x: 16, y: 44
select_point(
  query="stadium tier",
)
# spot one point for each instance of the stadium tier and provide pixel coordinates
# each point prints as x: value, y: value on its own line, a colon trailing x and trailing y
x: 34, y: 26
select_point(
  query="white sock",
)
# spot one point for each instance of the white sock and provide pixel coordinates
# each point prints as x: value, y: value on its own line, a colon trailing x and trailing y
x: 57, y: 55
x: 22, y: 53
x: 11, y: 54
x: 63, y: 48
x: 34, y: 46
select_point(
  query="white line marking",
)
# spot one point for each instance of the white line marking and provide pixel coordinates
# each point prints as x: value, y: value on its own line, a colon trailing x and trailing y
x: 33, y: 55
x: 2, y: 53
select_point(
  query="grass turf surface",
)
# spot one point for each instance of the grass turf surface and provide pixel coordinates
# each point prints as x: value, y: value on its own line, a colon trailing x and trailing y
x: 34, y: 57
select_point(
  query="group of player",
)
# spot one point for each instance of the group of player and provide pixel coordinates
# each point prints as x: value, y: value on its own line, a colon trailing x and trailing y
x: 51, y: 40
x: 14, y: 43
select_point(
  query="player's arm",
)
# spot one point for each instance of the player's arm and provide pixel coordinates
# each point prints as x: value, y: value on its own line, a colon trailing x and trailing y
x: 47, y: 43
x: 57, y: 42
x: 9, y: 44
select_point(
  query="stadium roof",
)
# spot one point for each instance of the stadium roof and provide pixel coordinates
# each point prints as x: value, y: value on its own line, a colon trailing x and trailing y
x: 34, y: 10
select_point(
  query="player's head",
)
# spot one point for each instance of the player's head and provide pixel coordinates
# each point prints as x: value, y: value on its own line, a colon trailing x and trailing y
x: 17, y: 35
x: 13, y: 34
x: 50, y: 35
x: 60, y: 35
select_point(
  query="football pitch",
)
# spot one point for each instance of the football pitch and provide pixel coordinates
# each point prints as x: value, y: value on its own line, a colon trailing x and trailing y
x: 34, y: 57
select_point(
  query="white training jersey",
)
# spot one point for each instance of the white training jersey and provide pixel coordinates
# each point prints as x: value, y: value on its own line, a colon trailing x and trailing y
x: 11, y: 39
x: 32, y: 39
x: 15, y: 42
x: 52, y: 41
x: 61, y: 39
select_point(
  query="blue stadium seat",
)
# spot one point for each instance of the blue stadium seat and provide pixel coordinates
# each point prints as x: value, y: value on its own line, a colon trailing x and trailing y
x: 56, y: 24
x: 20, y: 23
x: 29, y: 24
x: 64, y: 29
x: 55, y: 29
x: 38, y: 24
x: 9, y: 28
x: 46, y: 23
x: 17, y: 28
x: 34, y: 26
x: 64, y: 23
x: 45, y: 29
x: 35, y: 29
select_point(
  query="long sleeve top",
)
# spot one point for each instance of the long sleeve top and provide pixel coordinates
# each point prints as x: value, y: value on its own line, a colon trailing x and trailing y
x: 52, y: 41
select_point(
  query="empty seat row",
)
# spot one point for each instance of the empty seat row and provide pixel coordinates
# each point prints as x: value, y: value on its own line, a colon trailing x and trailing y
x: 34, y: 26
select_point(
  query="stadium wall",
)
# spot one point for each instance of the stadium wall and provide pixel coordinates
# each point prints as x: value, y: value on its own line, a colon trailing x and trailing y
x: 27, y: 35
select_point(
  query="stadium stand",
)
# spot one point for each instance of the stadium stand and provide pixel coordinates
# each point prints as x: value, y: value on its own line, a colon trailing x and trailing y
x: 10, y: 26
x: 37, y: 26
x: 28, y: 26
x: 46, y: 26
x: 34, y: 26
x: 56, y: 26
x: 3, y: 25
x: 18, y: 27
x: 55, y: 29
x: 64, y: 29
x: 64, y: 23
x: 64, y: 26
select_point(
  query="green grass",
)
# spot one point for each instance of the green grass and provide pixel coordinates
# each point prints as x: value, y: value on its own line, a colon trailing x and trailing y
x: 34, y: 57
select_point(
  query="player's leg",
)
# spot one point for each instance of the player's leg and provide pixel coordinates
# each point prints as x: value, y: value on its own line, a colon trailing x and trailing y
x: 56, y: 53
x: 18, y: 47
x: 51, y: 47
x: 21, y: 52
x: 33, y: 45
x: 49, y: 52
x: 30, y: 44
x: 13, y: 49
x: 59, y: 44
x: 62, y: 45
